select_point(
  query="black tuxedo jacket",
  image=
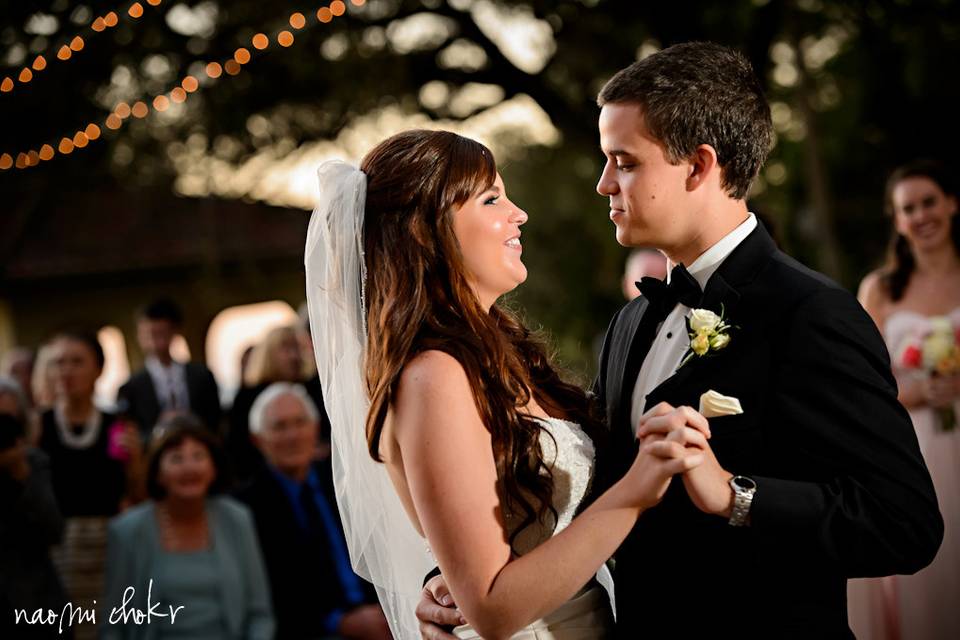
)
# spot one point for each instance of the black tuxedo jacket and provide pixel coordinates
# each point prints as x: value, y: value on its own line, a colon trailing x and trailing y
x: 303, y: 579
x: 144, y: 406
x: 842, y: 488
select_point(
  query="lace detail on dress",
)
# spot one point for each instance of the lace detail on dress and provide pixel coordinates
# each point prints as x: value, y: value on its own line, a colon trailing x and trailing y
x: 571, y: 456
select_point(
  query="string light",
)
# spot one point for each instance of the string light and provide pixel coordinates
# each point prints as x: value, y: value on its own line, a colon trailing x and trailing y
x: 140, y: 109
x: 214, y: 70
x: 77, y: 43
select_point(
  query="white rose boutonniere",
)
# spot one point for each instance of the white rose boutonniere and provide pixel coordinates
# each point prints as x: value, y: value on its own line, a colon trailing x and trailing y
x: 708, y: 332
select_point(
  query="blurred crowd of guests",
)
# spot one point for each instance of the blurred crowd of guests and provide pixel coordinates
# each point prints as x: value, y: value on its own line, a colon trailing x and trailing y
x: 167, y: 498
x: 246, y: 535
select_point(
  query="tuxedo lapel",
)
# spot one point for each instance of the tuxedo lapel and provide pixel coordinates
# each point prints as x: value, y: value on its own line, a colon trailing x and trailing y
x: 632, y: 341
x: 151, y: 404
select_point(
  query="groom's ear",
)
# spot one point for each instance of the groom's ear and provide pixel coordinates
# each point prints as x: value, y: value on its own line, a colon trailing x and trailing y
x: 703, y: 167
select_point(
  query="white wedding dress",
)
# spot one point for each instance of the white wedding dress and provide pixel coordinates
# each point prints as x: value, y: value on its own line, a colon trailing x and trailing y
x: 589, y: 614
x: 923, y: 606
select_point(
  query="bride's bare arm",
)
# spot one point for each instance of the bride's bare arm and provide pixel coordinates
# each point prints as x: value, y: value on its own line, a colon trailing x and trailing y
x: 451, y: 474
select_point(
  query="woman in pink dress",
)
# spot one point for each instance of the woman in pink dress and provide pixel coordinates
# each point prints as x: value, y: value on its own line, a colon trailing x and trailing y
x: 916, y: 292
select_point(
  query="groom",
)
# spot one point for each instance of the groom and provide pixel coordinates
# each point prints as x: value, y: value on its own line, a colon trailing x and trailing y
x: 820, y: 478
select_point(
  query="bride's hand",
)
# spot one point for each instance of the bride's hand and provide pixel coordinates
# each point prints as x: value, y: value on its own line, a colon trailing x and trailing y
x: 661, y: 458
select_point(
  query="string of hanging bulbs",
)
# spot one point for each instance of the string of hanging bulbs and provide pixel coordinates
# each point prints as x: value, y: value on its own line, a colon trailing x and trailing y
x: 187, y: 85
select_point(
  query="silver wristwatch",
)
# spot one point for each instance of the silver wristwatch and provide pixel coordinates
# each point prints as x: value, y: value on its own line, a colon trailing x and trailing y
x: 743, y: 490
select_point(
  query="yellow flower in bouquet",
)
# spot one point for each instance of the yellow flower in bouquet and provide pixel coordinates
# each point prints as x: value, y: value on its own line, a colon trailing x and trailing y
x: 940, y: 356
x: 940, y: 351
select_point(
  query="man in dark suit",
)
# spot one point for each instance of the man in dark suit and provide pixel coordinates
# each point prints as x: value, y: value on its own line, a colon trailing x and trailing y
x: 315, y: 592
x: 819, y: 478
x: 165, y: 385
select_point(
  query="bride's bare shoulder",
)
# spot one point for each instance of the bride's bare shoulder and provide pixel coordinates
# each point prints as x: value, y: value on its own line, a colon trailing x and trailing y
x: 432, y: 379
x: 432, y: 370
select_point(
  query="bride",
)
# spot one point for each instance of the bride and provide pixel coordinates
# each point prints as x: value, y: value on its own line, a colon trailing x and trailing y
x: 449, y: 422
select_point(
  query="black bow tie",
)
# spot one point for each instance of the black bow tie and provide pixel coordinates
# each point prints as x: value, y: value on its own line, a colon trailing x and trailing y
x: 663, y: 297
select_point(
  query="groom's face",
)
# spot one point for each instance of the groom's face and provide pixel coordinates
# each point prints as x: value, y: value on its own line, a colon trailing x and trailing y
x: 648, y: 195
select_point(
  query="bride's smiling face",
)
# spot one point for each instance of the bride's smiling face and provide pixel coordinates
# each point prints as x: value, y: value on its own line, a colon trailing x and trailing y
x: 487, y: 228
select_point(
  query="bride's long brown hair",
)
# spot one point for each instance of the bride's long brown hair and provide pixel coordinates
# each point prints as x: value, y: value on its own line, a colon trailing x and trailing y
x: 418, y: 298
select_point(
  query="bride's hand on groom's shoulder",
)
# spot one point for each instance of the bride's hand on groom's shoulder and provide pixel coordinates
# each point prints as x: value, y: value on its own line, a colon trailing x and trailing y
x: 707, y: 484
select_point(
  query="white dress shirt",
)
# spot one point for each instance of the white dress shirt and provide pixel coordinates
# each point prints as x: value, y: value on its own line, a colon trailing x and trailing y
x: 671, y: 341
x: 170, y: 383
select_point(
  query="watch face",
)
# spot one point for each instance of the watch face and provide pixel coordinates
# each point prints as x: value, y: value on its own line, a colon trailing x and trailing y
x: 743, y: 483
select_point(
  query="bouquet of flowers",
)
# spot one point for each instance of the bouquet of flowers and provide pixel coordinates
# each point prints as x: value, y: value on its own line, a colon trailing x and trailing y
x: 937, y: 353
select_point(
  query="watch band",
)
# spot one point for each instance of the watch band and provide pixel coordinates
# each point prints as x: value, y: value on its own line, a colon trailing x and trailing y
x: 744, y: 489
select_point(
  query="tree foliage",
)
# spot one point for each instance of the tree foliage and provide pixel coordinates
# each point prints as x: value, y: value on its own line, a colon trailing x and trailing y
x: 858, y: 86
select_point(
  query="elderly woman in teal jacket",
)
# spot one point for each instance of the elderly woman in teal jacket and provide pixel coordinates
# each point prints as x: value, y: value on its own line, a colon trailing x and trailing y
x: 185, y: 564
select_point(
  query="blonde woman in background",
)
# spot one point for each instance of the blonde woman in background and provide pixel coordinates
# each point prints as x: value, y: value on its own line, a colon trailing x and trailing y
x: 277, y: 358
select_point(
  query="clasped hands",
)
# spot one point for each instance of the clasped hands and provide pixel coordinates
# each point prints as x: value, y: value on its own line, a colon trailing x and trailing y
x: 707, y: 483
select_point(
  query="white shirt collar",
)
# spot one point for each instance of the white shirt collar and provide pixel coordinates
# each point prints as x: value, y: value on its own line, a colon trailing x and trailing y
x: 155, y: 367
x: 711, y: 259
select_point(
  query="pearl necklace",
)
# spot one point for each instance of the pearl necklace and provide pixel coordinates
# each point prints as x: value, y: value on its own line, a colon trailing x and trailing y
x: 86, y: 437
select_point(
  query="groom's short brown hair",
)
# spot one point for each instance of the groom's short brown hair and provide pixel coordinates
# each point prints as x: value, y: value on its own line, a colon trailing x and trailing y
x: 701, y: 93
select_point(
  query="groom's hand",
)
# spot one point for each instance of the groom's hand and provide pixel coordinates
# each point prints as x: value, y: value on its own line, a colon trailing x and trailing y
x: 708, y: 484
x: 437, y: 610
